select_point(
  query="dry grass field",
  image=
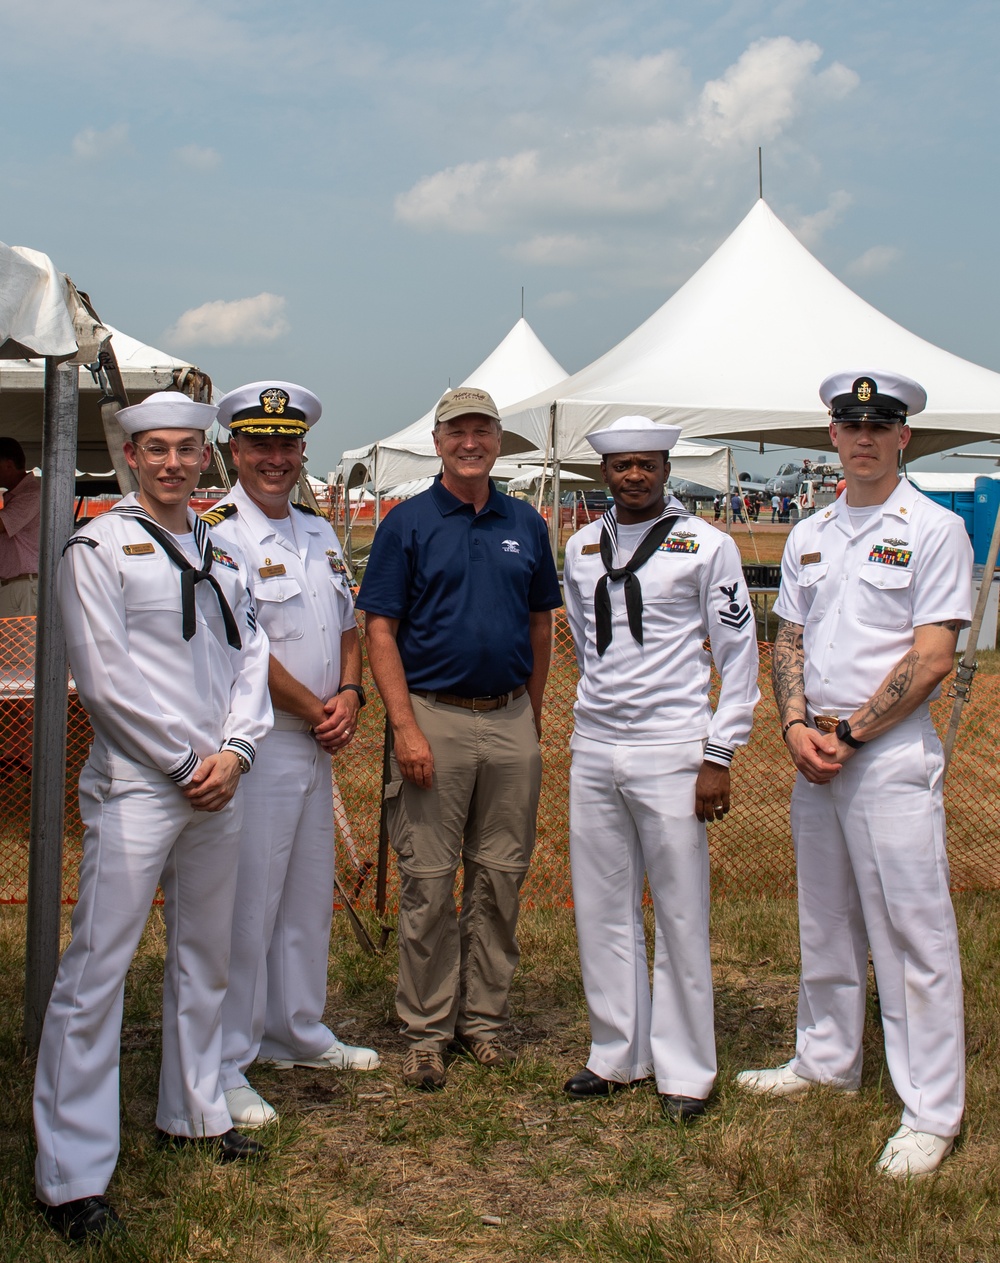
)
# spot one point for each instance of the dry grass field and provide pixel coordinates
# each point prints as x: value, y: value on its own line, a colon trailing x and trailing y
x: 502, y: 1166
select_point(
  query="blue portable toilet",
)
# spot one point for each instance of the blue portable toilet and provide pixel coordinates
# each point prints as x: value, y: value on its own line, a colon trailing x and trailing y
x: 984, y: 514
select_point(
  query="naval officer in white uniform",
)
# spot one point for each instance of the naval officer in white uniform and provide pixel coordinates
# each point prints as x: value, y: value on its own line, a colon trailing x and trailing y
x: 284, y: 902
x: 647, y: 588
x: 172, y: 669
x: 874, y: 592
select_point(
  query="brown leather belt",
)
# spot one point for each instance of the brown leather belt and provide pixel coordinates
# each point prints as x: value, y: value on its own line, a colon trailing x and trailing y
x: 496, y: 702
x: 16, y: 578
x: 826, y: 723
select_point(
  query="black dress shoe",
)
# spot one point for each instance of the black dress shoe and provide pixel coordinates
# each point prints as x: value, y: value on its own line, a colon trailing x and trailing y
x: 231, y: 1146
x: 86, y: 1219
x: 681, y: 1109
x: 585, y: 1083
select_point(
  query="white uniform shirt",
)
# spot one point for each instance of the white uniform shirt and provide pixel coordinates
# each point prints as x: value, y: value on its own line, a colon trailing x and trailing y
x: 301, y: 589
x: 692, y: 588
x: 153, y: 698
x: 859, y: 592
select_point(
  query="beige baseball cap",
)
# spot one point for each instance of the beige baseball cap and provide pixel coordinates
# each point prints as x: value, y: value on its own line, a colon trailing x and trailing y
x: 465, y: 401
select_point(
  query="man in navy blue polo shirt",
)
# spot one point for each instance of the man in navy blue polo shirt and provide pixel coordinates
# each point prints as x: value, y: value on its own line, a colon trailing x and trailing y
x: 458, y: 596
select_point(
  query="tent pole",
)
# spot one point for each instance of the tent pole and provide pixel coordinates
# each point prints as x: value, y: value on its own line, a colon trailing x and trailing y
x: 48, y: 782
x: 729, y: 487
x: 377, y: 510
x: 554, y: 518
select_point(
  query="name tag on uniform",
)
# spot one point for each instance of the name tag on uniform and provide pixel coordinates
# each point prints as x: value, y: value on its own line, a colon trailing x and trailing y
x: 588, y: 550
x: 137, y: 550
x: 271, y: 572
x: 810, y: 559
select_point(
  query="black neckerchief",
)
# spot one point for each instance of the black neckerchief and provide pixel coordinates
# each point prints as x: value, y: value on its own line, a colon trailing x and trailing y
x: 657, y: 533
x: 190, y: 575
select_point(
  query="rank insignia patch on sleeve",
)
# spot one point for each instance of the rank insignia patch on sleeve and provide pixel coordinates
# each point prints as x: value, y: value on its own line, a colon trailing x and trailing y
x: 732, y: 613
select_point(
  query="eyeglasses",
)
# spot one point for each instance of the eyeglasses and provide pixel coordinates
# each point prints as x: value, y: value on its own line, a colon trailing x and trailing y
x: 157, y: 453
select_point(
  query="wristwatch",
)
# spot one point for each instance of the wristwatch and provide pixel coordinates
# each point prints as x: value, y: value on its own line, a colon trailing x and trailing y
x: 843, y: 731
x: 243, y: 761
x: 354, y: 688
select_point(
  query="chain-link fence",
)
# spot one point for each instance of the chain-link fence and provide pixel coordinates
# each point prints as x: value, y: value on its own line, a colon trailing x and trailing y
x: 751, y: 850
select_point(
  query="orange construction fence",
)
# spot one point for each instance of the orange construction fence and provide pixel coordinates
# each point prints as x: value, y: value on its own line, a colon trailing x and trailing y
x: 751, y: 850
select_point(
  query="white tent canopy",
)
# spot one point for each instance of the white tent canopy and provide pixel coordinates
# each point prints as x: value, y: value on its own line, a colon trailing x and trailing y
x: 518, y: 367
x: 739, y: 352
x: 144, y: 369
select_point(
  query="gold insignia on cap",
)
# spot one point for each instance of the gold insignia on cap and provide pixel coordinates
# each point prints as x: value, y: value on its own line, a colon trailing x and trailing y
x: 274, y: 400
x: 864, y: 390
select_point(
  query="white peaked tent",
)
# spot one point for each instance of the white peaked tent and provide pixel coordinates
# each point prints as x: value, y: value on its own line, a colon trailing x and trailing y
x: 739, y: 352
x: 144, y: 369
x: 520, y: 366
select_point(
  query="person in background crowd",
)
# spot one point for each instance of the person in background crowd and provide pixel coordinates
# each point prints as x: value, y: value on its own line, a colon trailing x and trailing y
x: 172, y: 668
x: 458, y: 595
x: 775, y: 507
x: 736, y: 504
x: 273, y: 1012
x: 19, y: 528
x: 645, y: 588
x: 874, y: 592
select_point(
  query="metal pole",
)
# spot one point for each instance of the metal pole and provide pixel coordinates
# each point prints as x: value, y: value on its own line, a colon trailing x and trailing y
x: 554, y: 519
x: 48, y: 784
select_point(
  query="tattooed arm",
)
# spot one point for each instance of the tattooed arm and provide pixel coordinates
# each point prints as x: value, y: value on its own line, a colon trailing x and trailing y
x: 813, y: 753
x: 910, y: 682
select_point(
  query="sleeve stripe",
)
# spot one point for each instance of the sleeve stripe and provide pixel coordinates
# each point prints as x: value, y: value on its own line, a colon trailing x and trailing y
x: 186, y: 768
x: 717, y: 753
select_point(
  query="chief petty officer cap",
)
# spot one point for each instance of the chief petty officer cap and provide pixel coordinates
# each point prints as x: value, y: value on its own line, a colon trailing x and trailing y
x: 166, y: 410
x: 270, y: 408
x: 634, y: 434
x: 879, y: 397
x: 465, y: 401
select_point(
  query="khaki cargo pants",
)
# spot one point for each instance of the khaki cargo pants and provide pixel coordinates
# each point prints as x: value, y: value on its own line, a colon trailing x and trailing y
x: 455, y: 971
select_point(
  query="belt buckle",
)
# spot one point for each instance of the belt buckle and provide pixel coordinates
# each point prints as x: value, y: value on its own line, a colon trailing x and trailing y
x: 827, y: 723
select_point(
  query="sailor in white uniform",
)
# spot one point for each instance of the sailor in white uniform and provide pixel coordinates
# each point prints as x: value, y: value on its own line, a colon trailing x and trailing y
x: 874, y: 592
x: 653, y: 595
x: 284, y: 903
x: 172, y: 668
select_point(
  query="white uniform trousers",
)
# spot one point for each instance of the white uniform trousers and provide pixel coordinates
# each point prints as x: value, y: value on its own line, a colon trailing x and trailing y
x: 632, y: 814
x: 137, y: 833
x: 872, y: 870
x: 284, y: 905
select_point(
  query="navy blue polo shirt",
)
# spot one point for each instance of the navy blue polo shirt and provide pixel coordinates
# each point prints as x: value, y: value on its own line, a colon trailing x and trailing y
x: 461, y: 584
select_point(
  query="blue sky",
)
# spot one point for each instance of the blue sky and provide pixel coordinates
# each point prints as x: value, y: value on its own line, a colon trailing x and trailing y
x: 352, y: 196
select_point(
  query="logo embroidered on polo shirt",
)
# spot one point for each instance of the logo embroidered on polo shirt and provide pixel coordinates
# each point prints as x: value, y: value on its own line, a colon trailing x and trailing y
x: 888, y: 555
x: 511, y: 546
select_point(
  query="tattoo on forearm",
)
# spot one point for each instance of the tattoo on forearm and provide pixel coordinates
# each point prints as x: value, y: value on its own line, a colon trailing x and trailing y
x: 892, y: 692
x: 788, y: 671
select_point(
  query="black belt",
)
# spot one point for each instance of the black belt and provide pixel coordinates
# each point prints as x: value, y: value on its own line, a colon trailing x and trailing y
x: 496, y: 702
x: 16, y: 579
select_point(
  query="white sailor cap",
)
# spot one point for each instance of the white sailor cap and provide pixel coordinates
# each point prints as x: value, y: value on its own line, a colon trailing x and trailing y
x: 271, y: 407
x: 634, y: 434
x: 166, y: 410
x: 873, y: 396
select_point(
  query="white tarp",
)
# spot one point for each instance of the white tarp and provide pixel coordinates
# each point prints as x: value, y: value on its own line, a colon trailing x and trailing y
x: 37, y: 306
x: 144, y: 370
x: 739, y: 352
x: 518, y: 367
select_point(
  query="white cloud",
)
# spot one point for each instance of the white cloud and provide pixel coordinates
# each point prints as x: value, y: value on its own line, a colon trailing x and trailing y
x: 221, y: 323
x: 198, y: 157
x: 660, y: 145
x: 874, y: 260
x: 91, y: 144
x: 810, y: 229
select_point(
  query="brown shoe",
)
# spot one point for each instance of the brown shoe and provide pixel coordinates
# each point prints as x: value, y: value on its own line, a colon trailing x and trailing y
x: 423, y: 1068
x: 488, y: 1052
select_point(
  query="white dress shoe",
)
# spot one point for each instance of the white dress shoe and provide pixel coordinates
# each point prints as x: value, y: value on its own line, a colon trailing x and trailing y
x: 910, y: 1153
x: 248, y: 1109
x: 780, y: 1081
x: 337, y: 1057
